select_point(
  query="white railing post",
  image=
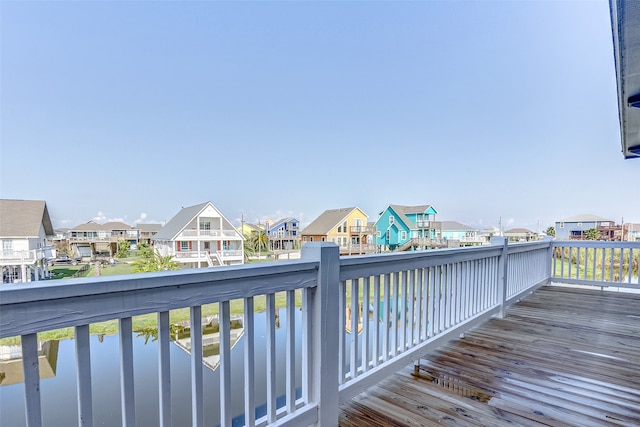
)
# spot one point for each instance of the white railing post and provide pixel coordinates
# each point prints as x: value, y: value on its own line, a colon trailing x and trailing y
x: 550, y: 261
x: 323, y: 384
x: 502, y: 272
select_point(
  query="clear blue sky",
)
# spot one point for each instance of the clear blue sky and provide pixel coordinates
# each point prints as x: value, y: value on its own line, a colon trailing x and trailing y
x: 129, y: 110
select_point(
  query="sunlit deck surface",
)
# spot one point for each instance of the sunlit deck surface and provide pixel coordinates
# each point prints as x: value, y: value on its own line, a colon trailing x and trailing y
x: 562, y: 356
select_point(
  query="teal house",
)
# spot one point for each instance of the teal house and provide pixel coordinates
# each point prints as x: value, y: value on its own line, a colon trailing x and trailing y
x: 407, y: 228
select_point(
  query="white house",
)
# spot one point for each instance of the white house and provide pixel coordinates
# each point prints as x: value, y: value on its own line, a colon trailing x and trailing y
x: 24, y: 228
x: 200, y: 236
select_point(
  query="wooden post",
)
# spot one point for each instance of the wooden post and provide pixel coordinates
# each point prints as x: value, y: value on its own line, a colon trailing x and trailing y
x: 502, y: 272
x: 324, y: 328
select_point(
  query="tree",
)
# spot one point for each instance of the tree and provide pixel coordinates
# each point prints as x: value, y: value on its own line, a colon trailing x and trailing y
x: 146, y: 251
x: 155, y: 262
x: 258, y: 241
x: 123, y: 248
x: 551, y: 231
x: 592, y: 234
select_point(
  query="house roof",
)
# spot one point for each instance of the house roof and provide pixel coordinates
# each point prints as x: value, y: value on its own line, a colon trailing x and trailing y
x: 279, y: 222
x: 585, y: 218
x: 180, y: 220
x: 117, y: 225
x: 148, y: 227
x: 625, y: 26
x: 401, y: 212
x: 88, y: 226
x: 23, y: 218
x: 412, y: 209
x: 176, y: 224
x: 519, y: 231
x: 254, y: 227
x: 455, y: 226
x: 328, y: 220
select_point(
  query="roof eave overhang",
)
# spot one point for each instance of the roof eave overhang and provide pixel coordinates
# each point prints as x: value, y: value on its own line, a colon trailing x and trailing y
x: 625, y: 26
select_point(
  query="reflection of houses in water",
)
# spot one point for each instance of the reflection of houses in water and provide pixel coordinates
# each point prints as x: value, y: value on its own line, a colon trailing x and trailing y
x: 210, y: 338
x: 11, y: 371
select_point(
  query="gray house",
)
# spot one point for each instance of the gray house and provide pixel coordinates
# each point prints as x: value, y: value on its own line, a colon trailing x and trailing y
x: 576, y: 226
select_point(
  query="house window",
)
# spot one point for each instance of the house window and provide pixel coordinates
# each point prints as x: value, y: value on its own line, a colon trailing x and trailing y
x: 311, y: 239
x: 344, y: 227
x: 205, y: 225
x: 562, y: 225
x: 391, y: 219
x: 379, y: 234
x: 403, y: 235
x: 304, y: 238
x: 7, y: 246
x: 579, y: 224
x: 184, y: 246
x: 323, y: 239
x: 388, y: 235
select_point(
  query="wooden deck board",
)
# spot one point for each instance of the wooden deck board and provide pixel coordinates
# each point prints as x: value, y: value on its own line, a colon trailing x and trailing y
x: 562, y: 356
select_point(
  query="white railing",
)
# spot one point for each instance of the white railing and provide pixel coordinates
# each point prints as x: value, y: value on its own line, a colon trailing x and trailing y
x: 362, y: 317
x: 19, y: 257
x: 207, y: 233
x: 231, y: 253
x: 189, y: 256
x: 604, y: 264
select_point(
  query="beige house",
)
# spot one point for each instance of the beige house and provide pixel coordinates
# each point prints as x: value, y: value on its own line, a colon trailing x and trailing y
x: 92, y: 238
x: 25, y: 227
x: 520, y: 235
x: 346, y: 227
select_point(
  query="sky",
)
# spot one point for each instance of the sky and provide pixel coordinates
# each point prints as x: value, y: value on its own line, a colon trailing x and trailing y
x: 488, y: 110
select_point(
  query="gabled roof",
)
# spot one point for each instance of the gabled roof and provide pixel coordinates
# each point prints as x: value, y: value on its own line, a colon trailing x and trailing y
x: 149, y: 228
x: 585, y: 218
x: 413, y: 209
x: 328, y: 220
x: 88, y: 226
x: 116, y: 225
x: 455, y: 226
x: 401, y: 212
x: 282, y: 221
x: 180, y: 220
x: 519, y: 231
x: 252, y: 226
x: 23, y: 218
x: 176, y: 224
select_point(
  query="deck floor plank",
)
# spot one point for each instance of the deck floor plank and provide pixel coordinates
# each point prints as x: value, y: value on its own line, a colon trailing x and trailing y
x: 561, y: 356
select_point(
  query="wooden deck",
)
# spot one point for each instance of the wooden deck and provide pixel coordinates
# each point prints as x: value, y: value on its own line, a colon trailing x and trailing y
x: 561, y: 357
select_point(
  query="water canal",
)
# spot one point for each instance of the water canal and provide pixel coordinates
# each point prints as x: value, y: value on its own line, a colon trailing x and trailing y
x: 58, y: 385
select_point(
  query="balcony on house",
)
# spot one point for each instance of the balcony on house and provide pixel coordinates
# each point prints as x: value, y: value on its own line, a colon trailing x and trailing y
x: 522, y: 334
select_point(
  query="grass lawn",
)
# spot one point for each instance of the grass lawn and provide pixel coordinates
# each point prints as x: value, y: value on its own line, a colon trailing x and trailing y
x: 66, y: 271
x: 116, y: 269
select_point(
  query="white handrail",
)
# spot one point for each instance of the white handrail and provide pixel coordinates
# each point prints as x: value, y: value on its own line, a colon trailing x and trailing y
x: 363, y: 317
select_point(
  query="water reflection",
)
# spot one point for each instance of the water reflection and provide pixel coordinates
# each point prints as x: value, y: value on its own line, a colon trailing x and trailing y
x: 59, y: 399
x: 181, y: 336
x: 11, y: 370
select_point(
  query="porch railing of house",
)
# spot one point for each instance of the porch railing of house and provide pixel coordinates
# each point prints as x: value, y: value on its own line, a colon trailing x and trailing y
x: 362, y: 318
x: 28, y: 256
x: 19, y: 257
x: 208, y: 233
x: 202, y: 255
